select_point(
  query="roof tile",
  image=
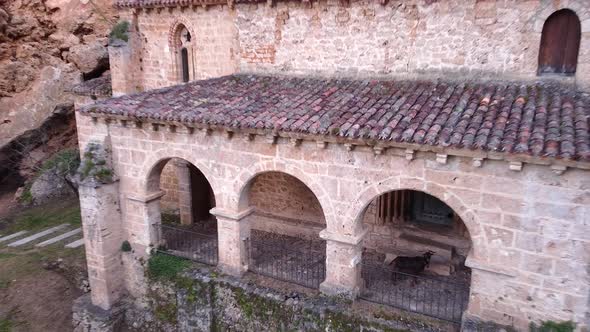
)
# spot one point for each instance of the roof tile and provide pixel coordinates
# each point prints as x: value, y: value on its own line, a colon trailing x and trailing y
x: 537, y: 119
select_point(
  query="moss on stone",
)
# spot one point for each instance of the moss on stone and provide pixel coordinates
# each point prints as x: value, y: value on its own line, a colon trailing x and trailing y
x: 552, y: 326
x: 167, y: 312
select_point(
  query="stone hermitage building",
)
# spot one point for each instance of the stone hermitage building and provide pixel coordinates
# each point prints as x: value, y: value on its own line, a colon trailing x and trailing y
x: 373, y: 129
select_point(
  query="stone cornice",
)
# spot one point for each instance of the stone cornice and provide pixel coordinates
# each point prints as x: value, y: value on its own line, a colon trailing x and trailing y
x: 148, y: 198
x: 220, y: 213
x: 158, y: 4
x: 407, y: 150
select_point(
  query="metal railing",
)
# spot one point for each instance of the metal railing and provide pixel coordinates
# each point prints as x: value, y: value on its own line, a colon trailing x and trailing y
x: 304, y: 267
x: 433, y: 297
x: 183, y: 242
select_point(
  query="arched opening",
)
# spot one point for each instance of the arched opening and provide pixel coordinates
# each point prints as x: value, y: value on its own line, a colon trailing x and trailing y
x: 187, y: 229
x: 560, y: 43
x: 285, y: 225
x: 184, y: 50
x: 414, y: 255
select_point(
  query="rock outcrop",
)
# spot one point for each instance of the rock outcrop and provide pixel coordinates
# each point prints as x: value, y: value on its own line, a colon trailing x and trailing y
x: 46, y: 48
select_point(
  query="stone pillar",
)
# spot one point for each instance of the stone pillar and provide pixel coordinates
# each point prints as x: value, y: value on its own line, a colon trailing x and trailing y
x: 184, y: 190
x: 144, y: 219
x: 343, y: 264
x: 121, y: 64
x: 101, y: 223
x: 233, y: 231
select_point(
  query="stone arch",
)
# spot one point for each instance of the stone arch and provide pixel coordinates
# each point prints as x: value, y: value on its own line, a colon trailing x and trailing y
x: 578, y: 7
x: 155, y: 162
x: 175, y: 29
x: 244, y: 181
x: 469, y: 217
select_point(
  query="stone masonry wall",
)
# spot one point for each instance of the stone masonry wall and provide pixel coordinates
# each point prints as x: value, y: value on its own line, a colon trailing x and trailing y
x: 402, y: 38
x: 169, y: 185
x: 282, y: 195
x: 205, y: 301
x: 451, y: 39
x: 529, y: 228
x: 214, y: 38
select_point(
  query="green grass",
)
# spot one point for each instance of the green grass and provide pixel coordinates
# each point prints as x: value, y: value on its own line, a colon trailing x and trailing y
x: 551, y: 326
x: 5, y: 325
x: 36, y: 218
x: 166, y: 267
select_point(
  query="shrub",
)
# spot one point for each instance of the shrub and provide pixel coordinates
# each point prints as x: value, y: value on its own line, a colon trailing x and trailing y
x: 120, y: 32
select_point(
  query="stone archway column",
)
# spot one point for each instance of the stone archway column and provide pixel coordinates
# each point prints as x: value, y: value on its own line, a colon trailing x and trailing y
x: 101, y: 223
x: 184, y: 189
x: 145, y: 218
x: 233, y: 231
x: 343, y: 264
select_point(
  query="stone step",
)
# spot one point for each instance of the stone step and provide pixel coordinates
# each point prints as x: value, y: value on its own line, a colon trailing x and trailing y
x: 76, y: 243
x: 59, y: 238
x: 12, y: 236
x: 37, y: 236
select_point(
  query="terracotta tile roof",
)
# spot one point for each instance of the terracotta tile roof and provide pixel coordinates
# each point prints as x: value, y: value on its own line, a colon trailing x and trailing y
x: 535, y: 119
x: 99, y: 87
x: 173, y: 3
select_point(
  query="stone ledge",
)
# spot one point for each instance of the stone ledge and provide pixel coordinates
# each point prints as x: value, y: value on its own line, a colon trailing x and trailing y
x: 490, y: 268
x: 230, y: 214
x: 148, y: 198
x: 343, y: 238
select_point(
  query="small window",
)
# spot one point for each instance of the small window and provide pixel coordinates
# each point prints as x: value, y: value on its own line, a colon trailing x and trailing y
x: 560, y: 42
x: 184, y: 60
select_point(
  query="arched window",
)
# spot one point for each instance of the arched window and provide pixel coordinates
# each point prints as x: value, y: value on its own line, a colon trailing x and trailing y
x: 560, y: 42
x: 184, y: 53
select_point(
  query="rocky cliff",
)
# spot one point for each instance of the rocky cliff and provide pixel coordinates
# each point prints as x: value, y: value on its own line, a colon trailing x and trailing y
x: 46, y: 48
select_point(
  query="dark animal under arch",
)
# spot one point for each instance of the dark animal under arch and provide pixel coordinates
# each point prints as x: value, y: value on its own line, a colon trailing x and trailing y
x: 412, y: 264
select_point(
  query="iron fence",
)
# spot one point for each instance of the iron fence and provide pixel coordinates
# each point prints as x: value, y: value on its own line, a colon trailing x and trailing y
x: 184, y: 242
x: 304, y: 267
x: 433, y: 297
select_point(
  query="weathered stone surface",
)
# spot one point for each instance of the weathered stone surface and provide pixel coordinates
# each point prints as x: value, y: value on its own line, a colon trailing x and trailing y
x: 49, y: 185
x: 205, y: 302
x: 89, y: 58
x: 90, y: 318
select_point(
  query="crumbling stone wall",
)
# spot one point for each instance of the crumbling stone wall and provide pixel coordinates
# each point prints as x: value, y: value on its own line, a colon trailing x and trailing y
x: 204, y: 301
x: 493, y: 39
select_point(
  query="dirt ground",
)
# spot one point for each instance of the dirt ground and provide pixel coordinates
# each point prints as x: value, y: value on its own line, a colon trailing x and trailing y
x: 38, y: 286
